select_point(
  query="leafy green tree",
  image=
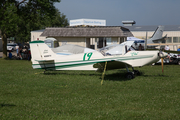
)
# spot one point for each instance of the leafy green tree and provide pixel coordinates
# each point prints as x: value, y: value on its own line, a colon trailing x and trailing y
x: 59, y: 20
x: 36, y: 22
x: 19, y: 18
x: 8, y: 22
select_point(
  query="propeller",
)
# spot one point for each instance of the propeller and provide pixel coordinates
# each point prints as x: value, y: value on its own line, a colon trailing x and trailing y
x: 162, y: 64
x: 162, y: 55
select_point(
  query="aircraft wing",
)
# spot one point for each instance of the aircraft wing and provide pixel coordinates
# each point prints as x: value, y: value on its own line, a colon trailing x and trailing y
x: 159, y: 40
x: 44, y: 60
x: 110, y: 65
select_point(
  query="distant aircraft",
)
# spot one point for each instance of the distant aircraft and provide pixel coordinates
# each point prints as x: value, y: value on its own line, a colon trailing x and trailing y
x: 157, y: 36
x: 113, y: 57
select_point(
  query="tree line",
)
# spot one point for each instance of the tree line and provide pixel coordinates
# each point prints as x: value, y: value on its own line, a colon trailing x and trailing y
x: 19, y: 17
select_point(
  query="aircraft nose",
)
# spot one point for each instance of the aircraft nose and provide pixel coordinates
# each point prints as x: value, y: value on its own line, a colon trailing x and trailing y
x: 162, y: 54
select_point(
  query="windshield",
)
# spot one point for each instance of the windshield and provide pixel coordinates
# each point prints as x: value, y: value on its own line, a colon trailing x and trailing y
x: 11, y: 45
x: 117, y: 49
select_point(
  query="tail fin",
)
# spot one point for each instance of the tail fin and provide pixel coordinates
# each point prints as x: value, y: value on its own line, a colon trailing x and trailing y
x: 41, y: 52
x: 158, y: 33
x: 157, y: 36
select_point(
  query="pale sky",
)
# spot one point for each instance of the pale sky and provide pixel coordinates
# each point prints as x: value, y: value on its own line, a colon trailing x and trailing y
x: 144, y: 12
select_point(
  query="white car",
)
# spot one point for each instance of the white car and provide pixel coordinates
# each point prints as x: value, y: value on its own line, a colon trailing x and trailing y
x: 11, y: 46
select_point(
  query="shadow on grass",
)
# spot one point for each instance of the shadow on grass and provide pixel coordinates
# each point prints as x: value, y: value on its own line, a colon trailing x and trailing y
x: 69, y: 73
x: 116, y: 77
x: 158, y: 75
x: 6, y: 105
x: 119, y: 76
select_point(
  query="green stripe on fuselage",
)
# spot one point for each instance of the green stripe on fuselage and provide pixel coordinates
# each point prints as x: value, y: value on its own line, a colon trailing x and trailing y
x: 39, y: 41
x: 81, y: 63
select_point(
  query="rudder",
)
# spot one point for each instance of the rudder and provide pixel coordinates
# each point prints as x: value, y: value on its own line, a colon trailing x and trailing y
x: 158, y: 33
x: 40, y: 51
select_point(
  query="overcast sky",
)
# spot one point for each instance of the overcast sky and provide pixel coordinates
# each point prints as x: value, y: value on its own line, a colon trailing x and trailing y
x: 144, y: 12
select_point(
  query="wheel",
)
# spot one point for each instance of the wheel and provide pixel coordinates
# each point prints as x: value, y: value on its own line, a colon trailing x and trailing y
x: 136, y: 72
x: 178, y: 62
x: 129, y: 75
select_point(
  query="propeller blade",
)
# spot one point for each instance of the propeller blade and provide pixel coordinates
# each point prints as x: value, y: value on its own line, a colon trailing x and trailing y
x: 162, y: 64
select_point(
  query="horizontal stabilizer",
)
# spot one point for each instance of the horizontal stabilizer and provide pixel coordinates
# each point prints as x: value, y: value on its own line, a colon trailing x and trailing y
x: 44, y: 60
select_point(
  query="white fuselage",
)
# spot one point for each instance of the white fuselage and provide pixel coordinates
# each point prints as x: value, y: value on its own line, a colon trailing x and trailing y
x: 85, y: 61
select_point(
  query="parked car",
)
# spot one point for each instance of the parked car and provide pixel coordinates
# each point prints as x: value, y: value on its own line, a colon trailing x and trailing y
x: 11, y: 46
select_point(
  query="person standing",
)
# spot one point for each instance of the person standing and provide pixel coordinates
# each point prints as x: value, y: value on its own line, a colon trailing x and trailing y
x: 20, y: 53
x: 178, y: 49
x: 10, y: 54
x: 140, y: 47
x: 167, y: 47
x: 17, y: 50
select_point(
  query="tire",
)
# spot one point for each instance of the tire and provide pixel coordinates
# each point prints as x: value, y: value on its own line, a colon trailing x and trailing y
x: 129, y: 75
x: 136, y: 72
x: 178, y: 62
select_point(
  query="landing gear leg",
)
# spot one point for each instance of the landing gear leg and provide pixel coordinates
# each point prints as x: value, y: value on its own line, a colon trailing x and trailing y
x: 136, y: 72
x: 129, y: 75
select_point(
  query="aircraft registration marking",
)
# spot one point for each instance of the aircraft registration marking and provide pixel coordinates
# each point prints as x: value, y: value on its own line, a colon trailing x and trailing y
x: 87, y: 56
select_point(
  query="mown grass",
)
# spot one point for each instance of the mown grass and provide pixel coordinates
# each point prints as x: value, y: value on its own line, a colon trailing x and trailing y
x: 29, y: 94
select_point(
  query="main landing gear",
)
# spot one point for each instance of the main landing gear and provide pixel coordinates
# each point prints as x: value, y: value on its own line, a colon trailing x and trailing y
x: 131, y: 75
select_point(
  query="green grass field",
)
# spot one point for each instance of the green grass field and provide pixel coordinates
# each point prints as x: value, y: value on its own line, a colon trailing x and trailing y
x: 78, y: 95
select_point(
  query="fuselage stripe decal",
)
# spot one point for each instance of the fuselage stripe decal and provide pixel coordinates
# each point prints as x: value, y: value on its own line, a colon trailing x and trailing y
x: 59, y: 65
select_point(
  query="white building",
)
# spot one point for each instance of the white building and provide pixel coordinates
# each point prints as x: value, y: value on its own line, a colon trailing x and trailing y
x: 88, y: 22
x: 36, y: 35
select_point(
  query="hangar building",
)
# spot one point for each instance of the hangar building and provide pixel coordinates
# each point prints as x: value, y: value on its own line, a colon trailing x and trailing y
x: 89, y: 36
x: 91, y: 33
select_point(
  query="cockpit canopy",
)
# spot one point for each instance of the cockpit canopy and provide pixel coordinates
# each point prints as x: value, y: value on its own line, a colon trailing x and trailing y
x: 117, y: 49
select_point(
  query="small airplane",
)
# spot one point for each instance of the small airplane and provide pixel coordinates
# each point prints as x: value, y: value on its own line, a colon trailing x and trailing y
x: 157, y: 36
x: 113, y: 57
